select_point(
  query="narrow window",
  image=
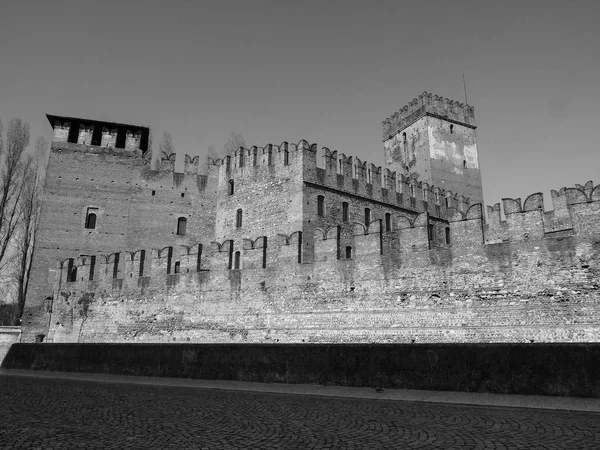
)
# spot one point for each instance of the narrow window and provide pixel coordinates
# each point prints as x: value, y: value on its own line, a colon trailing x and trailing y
x: 230, y: 189
x: 300, y: 247
x: 348, y: 252
x: 169, y: 259
x: 181, y: 226
x: 264, y: 258
x: 237, y: 260
x: 388, y: 222
x: 90, y: 218
x: 340, y: 167
x: 345, y: 212
x: 116, y: 266
x: 153, y: 192
x: 464, y: 163
x: 142, y: 260
x: 241, y: 159
x: 238, y: 218
x: 369, y: 180
x: 92, y: 267
x: 437, y: 197
x: 199, y: 260
x: 430, y: 231
x: 404, y: 136
x: 447, y: 203
x: 447, y: 235
x: 412, y: 190
x: 270, y: 158
x: 367, y: 217
x: 182, y: 195
x: 286, y: 158
x: 71, y: 271
x: 177, y: 266
x: 451, y: 129
x: 255, y: 157
x: 320, y: 205
x: 424, y: 195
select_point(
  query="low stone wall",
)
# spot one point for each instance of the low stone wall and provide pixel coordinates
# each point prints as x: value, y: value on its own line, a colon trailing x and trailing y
x: 528, y: 369
x: 8, y: 336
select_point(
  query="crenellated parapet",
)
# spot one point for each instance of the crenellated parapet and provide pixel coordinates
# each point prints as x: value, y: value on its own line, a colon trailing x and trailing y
x: 362, y: 178
x: 168, y: 166
x: 428, y: 104
x: 524, y: 221
x: 244, y: 162
x: 96, y: 136
x: 364, y: 282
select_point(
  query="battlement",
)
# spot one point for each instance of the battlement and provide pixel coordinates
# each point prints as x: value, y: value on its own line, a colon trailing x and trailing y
x: 351, y: 175
x: 284, y: 155
x: 428, y: 104
x: 576, y: 213
x: 346, y: 174
x: 95, y: 134
x: 530, y: 283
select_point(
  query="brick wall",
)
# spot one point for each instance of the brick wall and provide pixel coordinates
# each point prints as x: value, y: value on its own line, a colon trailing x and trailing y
x: 136, y: 207
x: 504, y: 281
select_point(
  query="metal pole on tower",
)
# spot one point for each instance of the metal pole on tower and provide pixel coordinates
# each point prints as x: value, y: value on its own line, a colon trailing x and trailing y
x: 465, y: 86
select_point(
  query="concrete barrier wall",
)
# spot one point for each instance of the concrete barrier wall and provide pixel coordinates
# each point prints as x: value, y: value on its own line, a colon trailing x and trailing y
x: 8, y: 336
x: 528, y: 369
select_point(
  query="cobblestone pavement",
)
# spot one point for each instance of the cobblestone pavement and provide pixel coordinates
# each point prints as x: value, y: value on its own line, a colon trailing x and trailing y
x: 48, y: 414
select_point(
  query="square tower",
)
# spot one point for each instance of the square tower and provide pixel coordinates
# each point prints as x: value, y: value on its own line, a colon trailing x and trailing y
x: 433, y: 139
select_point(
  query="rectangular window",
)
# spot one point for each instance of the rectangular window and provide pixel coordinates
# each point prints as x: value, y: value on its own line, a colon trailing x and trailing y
x: 169, y: 258
x: 345, y: 213
x: 92, y: 267
x: 90, y: 218
x: 367, y: 217
x: 286, y: 158
x: 199, y: 260
x: 447, y: 235
x: 181, y: 226
x: 430, y: 231
x: 320, y: 205
x: 388, y: 222
x: 142, y: 260
x: 71, y: 271
x: 116, y: 266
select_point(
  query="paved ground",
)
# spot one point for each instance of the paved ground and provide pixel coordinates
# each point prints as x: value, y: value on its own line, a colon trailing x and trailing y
x: 43, y: 413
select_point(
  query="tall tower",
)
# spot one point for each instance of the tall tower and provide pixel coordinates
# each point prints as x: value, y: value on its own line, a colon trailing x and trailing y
x: 433, y: 138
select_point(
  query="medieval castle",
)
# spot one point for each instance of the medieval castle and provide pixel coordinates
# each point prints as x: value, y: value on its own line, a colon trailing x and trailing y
x: 291, y: 243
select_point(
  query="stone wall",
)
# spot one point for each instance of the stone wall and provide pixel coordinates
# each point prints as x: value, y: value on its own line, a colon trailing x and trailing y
x: 533, y: 277
x: 526, y: 369
x: 137, y: 206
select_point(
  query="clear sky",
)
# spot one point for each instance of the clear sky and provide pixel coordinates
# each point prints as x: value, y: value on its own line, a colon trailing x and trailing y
x: 325, y: 71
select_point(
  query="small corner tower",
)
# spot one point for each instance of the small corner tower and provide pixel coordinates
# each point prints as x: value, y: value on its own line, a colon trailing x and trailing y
x: 433, y: 138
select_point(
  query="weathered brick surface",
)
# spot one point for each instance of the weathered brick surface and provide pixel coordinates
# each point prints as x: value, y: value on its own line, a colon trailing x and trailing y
x: 396, y: 288
x: 533, y: 276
